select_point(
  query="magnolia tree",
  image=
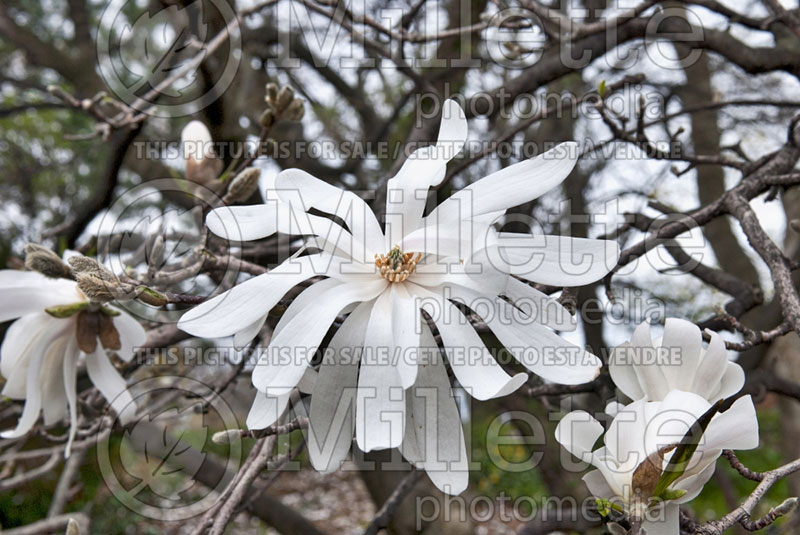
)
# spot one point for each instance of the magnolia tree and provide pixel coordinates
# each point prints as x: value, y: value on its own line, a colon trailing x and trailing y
x: 423, y: 267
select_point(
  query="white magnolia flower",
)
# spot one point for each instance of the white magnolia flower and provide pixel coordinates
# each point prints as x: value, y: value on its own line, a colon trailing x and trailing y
x: 678, y: 361
x: 40, y: 352
x: 382, y: 277
x: 643, y: 428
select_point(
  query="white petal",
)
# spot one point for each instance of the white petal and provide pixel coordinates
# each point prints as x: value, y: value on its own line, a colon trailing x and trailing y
x: 598, y: 486
x: 308, y: 297
x: 557, y: 260
x: 244, y: 223
x: 651, y: 379
x: 474, y: 367
x: 266, y: 410
x: 732, y: 381
x: 621, y: 369
x: 381, y: 404
x: 54, y: 402
x: 239, y: 307
x: 406, y: 330
x: 537, y: 348
x: 514, y: 185
x: 33, y: 399
x: 734, y: 429
x: 111, y: 384
x: 132, y: 335
x: 331, y: 416
x: 281, y: 365
x: 26, y: 292
x: 577, y: 432
x: 663, y: 522
x: 407, y: 192
x: 437, y: 424
x: 303, y: 192
x: 17, y: 347
x: 684, y: 343
x: 711, y: 367
x: 70, y: 375
x: 539, y: 306
x: 246, y: 335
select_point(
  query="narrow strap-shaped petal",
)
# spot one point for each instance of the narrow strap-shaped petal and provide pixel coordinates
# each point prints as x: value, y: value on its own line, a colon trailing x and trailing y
x: 437, y: 423
x: 282, y: 364
x: 539, y: 306
x: 131, y: 335
x: 239, y: 307
x: 331, y: 416
x: 244, y: 223
x: 514, y: 185
x: 473, y: 365
x: 302, y: 192
x: 70, y: 376
x: 266, y: 409
x: 557, y: 260
x: 406, y: 330
x: 407, y: 192
x: 380, y: 404
x: 536, y: 347
x: 111, y: 384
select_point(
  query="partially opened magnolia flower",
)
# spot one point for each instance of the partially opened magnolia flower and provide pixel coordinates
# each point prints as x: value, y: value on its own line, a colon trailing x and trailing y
x: 449, y: 261
x: 202, y: 165
x: 642, y: 433
x: 57, y: 327
x: 678, y: 361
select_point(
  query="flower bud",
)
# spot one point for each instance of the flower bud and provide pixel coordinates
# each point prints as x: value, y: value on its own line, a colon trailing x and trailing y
x: 229, y: 436
x: 285, y: 97
x: 89, y: 266
x: 243, y: 185
x: 272, y: 93
x: 97, y: 289
x: 295, y: 111
x: 157, y: 251
x: 72, y: 527
x: 150, y: 296
x: 46, y: 262
x: 267, y: 118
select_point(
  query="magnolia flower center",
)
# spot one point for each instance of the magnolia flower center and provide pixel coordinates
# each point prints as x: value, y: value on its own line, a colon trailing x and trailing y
x: 397, y: 266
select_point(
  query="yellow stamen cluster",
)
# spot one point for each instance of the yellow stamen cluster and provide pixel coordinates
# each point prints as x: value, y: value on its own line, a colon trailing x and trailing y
x: 397, y: 266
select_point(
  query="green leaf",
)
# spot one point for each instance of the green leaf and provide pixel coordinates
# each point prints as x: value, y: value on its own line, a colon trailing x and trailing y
x: 683, y: 453
x: 601, y: 88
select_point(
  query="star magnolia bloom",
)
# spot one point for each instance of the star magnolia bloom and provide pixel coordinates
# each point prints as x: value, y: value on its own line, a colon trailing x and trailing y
x: 640, y: 430
x: 678, y: 361
x: 385, y: 276
x: 40, y: 353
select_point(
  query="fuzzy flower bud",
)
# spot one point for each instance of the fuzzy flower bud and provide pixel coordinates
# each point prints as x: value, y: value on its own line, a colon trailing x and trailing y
x: 46, y: 262
x: 243, y: 185
x: 83, y: 265
x: 97, y: 289
x: 229, y: 436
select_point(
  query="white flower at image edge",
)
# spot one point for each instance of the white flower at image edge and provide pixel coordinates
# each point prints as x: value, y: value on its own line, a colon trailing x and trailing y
x: 382, y: 279
x: 40, y: 355
x: 641, y: 429
x: 678, y: 361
